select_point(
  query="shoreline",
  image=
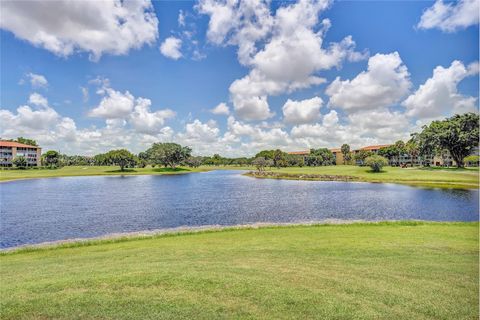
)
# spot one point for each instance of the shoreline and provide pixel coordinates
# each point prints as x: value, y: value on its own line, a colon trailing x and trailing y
x: 125, y: 174
x: 273, y: 175
x: 185, y: 230
x: 350, y: 179
x: 117, y: 173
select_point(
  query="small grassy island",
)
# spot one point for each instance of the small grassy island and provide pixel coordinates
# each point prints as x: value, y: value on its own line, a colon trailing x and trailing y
x: 396, y: 270
x: 462, y: 178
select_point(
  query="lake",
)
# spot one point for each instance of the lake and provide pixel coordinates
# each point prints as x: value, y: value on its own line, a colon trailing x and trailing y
x: 40, y: 210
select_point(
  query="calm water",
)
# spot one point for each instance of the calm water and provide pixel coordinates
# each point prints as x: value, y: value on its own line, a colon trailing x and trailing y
x: 34, y: 211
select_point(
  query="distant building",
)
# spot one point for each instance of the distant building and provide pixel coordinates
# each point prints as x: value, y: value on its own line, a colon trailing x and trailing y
x: 444, y: 159
x: 300, y: 153
x: 338, y: 155
x: 9, y: 150
x: 374, y: 148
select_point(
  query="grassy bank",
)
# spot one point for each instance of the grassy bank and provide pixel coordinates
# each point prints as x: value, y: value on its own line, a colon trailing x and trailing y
x: 359, y: 271
x: 73, y: 171
x: 426, y: 177
x: 6, y: 175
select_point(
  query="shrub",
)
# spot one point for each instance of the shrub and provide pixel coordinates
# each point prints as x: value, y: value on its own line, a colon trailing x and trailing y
x: 51, y: 159
x: 261, y: 163
x: 194, y: 162
x: 20, y: 162
x: 472, y: 161
x: 361, y: 156
x: 376, y: 162
x: 141, y: 163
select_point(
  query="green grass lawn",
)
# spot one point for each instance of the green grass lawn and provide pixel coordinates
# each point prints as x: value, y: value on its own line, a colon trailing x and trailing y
x: 358, y: 271
x: 89, y: 171
x: 428, y: 177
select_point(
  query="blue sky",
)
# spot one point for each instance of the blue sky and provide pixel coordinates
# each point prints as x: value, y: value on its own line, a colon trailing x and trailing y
x: 285, y: 96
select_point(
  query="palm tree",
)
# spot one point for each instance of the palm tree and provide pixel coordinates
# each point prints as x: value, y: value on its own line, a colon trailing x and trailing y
x: 346, y: 152
x: 412, y: 149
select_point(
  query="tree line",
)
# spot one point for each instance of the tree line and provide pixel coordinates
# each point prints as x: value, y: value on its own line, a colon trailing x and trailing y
x: 456, y: 136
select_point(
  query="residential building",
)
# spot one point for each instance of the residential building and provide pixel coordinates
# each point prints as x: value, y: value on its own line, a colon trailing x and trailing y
x: 444, y: 159
x: 9, y: 150
x: 374, y: 148
x: 338, y: 155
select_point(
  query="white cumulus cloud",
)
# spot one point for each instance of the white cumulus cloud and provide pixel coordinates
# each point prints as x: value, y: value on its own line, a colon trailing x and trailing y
x: 53, y: 131
x: 122, y: 108
x: 97, y: 27
x: 451, y: 16
x: 385, y: 83
x: 42, y: 123
x: 303, y: 111
x: 240, y: 23
x: 145, y: 121
x: 114, y: 105
x: 439, y: 95
x: 221, y: 109
x: 284, y: 51
x: 170, y: 48
x: 38, y: 100
x: 199, y: 132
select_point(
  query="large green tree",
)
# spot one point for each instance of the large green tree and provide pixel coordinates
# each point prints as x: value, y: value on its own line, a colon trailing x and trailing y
x: 279, y: 158
x: 376, y: 162
x: 267, y: 154
x: 51, y: 158
x: 101, y: 159
x: 194, y: 162
x: 400, y: 146
x: 75, y: 160
x: 294, y: 160
x: 361, y: 155
x: 458, y: 134
x: 412, y: 148
x: 30, y: 142
x: 168, y: 154
x: 121, y: 157
x: 389, y: 152
x: 346, y: 153
x: 399, y: 149
x: 393, y: 152
x: 320, y: 157
x: 260, y: 163
x: 217, y: 159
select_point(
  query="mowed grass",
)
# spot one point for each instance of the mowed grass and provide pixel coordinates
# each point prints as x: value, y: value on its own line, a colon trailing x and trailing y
x: 89, y: 171
x: 358, y: 271
x: 428, y: 177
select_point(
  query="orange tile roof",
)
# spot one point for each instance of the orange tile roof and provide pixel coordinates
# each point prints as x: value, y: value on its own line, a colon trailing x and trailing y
x: 375, y: 147
x: 15, y: 144
x: 336, y: 150
x: 299, y: 152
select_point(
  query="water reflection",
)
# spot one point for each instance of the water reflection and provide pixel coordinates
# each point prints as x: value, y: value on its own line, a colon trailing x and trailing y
x: 34, y: 211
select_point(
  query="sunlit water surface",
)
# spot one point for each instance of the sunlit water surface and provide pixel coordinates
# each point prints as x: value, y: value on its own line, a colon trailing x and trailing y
x: 40, y: 210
